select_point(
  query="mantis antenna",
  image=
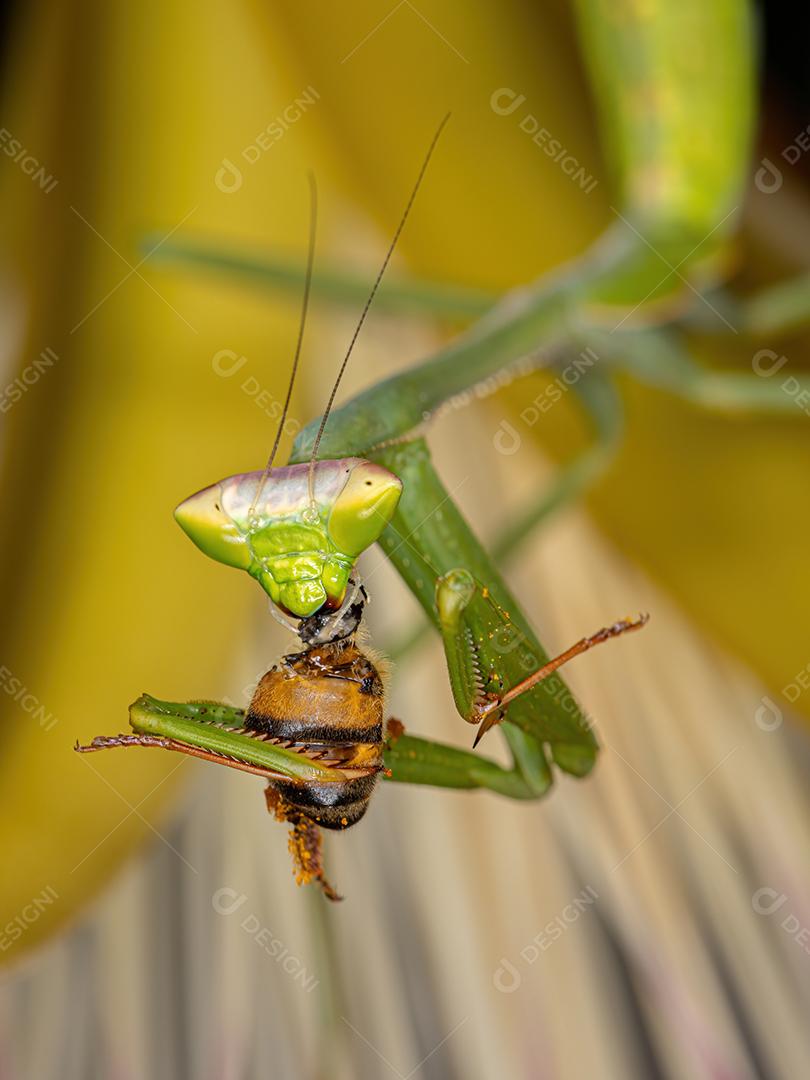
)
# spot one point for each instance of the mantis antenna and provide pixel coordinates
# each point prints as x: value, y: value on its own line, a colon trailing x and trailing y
x: 313, y: 224
x: 371, y: 296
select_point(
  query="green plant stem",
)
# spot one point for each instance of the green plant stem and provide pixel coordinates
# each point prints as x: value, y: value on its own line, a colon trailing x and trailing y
x: 778, y: 309
x: 330, y: 284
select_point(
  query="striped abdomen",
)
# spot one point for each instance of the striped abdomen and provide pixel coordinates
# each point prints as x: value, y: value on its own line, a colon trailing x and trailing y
x: 326, y: 701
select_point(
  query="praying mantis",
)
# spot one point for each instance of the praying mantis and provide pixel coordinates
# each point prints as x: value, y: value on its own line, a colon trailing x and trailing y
x: 314, y: 729
x: 363, y: 473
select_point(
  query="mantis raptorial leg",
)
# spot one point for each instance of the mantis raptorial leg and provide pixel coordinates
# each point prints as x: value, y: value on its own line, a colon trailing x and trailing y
x: 488, y: 714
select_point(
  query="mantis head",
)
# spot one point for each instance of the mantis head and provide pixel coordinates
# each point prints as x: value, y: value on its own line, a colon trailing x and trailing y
x: 301, y: 552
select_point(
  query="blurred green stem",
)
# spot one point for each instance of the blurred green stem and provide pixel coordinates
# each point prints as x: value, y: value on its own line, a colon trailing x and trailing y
x: 660, y: 358
x: 651, y: 355
x: 778, y: 309
x: 346, y: 288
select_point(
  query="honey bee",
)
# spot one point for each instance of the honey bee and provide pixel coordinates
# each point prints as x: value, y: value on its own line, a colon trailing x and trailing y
x: 325, y: 702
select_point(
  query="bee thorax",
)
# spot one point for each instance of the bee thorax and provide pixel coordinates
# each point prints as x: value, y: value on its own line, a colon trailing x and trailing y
x: 329, y: 694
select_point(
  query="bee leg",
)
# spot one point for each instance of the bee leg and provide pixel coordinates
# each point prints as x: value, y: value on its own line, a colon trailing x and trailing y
x: 393, y: 729
x: 108, y: 742
x: 304, y: 844
x: 305, y: 847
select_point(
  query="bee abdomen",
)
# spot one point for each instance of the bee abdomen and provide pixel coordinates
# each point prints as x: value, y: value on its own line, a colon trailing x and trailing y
x: 311, y: 729
x: 332, y: 805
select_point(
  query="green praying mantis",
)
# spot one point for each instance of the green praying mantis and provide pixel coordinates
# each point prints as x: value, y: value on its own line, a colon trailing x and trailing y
x: 315, y: 726
x: 363, y: 473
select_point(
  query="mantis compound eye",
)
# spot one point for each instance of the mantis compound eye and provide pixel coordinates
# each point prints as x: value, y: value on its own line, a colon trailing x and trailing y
x: 364, y: 507
x: 202, y: 518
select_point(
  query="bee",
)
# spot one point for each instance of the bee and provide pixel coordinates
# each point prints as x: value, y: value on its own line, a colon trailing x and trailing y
x: 327, y: 703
